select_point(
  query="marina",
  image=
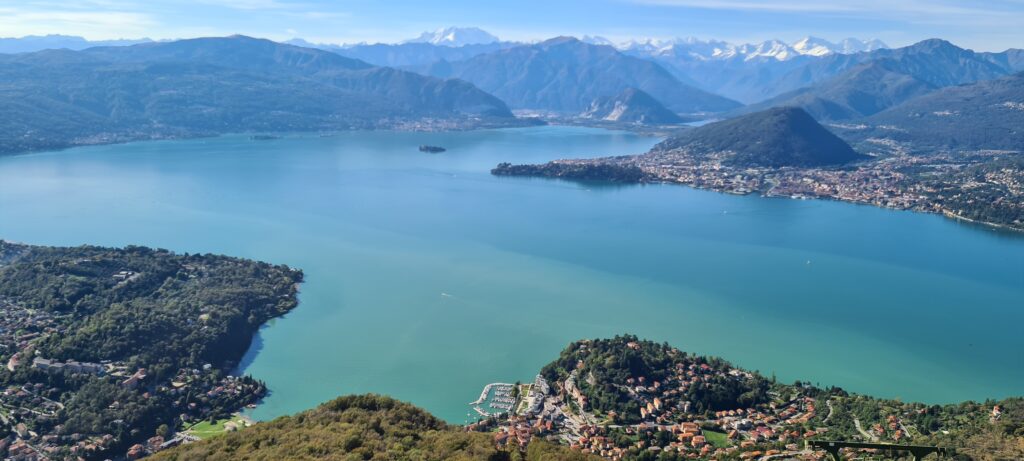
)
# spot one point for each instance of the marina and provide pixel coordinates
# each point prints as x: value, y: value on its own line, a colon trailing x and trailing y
x: 495, y: 399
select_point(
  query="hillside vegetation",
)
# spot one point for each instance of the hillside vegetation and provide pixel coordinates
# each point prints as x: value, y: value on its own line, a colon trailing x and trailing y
x: 785, y: 136
x: 984, y: 115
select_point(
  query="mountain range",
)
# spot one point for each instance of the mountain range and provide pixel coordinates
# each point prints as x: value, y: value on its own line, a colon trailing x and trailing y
x: 59, y: 98
x: 705, y: 50
x: 214, y: 85
x: 565, y: 74
x: 853, y: 86
x: 32, y: 43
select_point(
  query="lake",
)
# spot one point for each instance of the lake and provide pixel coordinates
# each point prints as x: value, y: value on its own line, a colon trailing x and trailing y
x: 426, y: 277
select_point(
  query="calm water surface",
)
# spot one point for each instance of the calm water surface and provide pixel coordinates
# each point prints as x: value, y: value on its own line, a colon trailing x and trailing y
x: 427, y: 277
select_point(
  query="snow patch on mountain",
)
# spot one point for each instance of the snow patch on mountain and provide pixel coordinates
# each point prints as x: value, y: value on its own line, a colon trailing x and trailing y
x: 697, y: 49
x: 814, y: 46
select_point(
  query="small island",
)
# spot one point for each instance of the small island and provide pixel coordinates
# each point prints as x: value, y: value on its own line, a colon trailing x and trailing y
x: 432, y: 149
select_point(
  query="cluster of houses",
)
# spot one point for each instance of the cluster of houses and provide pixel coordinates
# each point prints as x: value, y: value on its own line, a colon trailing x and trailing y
x: 20, y: 326
x: 666, y: 420
x: 520, y: 430
x: 893, y: 429
x: 157, y: 443
x: 594, y: 439
x: 26, y: 445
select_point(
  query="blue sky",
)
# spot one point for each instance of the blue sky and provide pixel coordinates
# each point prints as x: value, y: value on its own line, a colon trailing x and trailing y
x: 991, y: 25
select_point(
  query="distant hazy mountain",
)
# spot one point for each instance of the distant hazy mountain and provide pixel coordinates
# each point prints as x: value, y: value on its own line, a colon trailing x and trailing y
x: 411, y: 55
x: 853, y: 45
x: 744, y: 72
x: 813, y: 46
x: 631, y: 106
x: 704, y: 50
x: 565, y: 74
x: 984, y: 115
x: 456, y: 36
x: 777, y: 137
x: 32, y: 43
x: 864, y: 90
x: 885, y: 78
x: 59, y: 98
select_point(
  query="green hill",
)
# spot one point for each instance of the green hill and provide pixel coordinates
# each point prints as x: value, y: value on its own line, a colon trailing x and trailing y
x: 778, y: 137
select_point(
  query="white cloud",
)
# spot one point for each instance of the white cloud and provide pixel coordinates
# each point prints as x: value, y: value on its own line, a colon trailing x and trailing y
x: 98, y: 24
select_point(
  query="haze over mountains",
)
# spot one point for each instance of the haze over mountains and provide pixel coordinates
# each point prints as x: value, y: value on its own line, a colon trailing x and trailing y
x: 565, y: 74
x: 32, y: 43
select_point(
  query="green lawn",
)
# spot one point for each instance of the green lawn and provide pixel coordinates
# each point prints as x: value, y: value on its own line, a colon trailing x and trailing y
x: 718, y: 439
x: 206, y: 429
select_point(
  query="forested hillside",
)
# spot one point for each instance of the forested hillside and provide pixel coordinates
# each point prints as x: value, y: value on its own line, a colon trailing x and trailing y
x: 114, y: 346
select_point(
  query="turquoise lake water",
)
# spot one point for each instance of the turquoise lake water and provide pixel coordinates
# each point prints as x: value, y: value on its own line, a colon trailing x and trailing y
x: 428, y: 278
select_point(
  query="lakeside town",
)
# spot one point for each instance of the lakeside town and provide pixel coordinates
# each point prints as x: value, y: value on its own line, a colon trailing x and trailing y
x: 671, y: 417
x: 983, y: 186
x: 563, y: 413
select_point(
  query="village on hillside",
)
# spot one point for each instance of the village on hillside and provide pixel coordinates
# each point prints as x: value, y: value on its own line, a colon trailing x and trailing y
x: 666, y: 422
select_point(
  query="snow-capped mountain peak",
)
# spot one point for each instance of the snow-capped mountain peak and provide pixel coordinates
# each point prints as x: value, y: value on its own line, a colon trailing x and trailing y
x: 771, y: 49
x: 455, y: 37
x: 814, y: 46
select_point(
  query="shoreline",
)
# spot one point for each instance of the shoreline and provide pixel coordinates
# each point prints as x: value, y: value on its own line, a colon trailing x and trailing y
x: 563, y: 170
x: 412, y: 126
